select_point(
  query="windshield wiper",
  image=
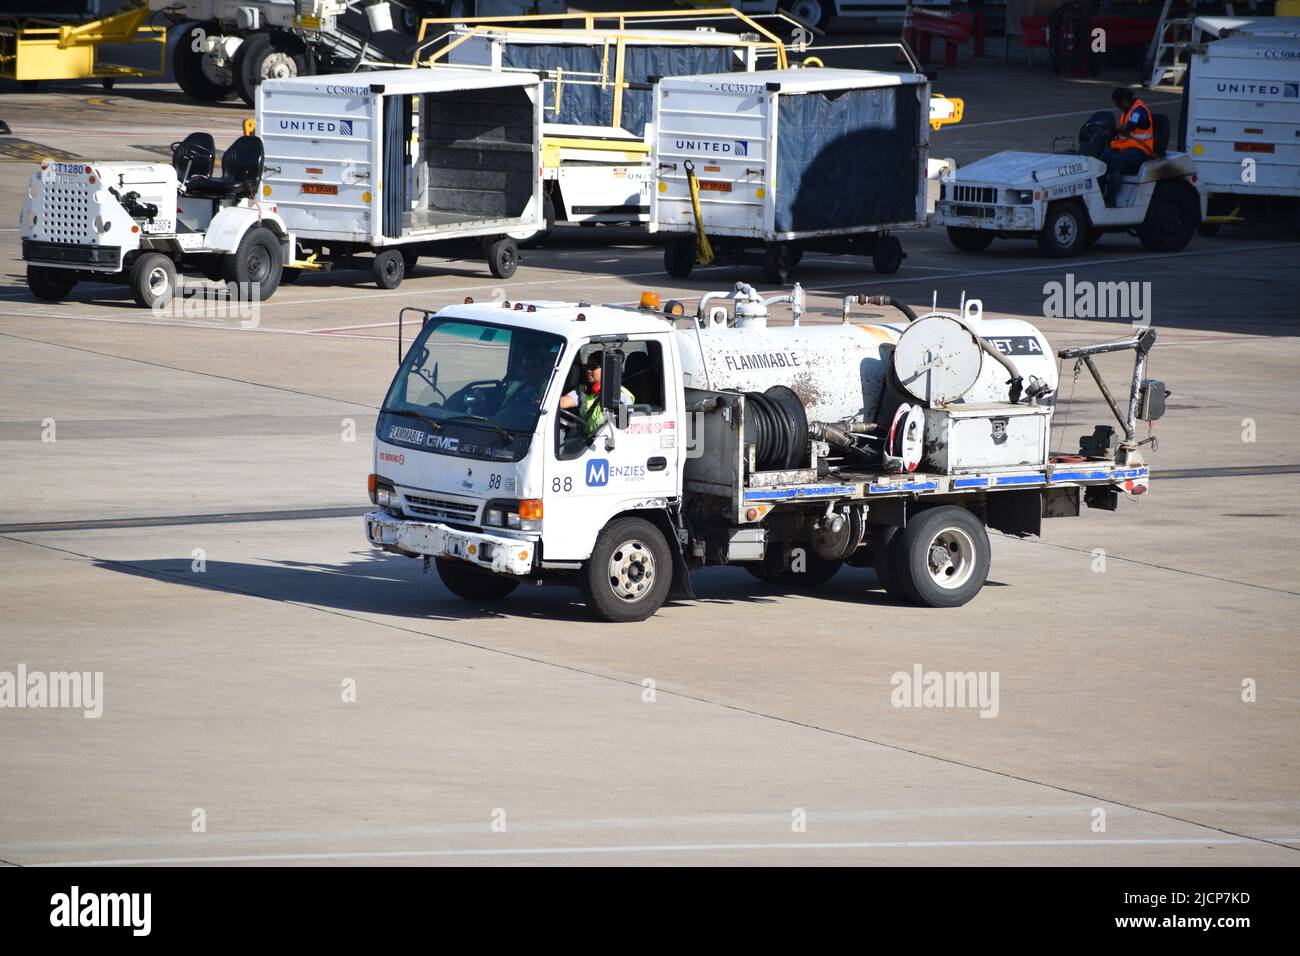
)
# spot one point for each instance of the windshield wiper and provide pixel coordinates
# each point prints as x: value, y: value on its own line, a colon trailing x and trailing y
x: 436, y: 424
x: 504, y: 432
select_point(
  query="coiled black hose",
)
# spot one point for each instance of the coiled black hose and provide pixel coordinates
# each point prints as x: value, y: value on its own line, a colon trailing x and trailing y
x: 778, y: 428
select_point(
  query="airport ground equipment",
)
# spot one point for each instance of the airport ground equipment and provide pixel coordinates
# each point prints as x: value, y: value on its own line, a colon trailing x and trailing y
x: 788, y: 448
x: 1241, y: 125
x: 228, y: 47
x: 346, y: 173
x: 1057, y: 198
x: 600, y: 72
x: 789, y: 161
x: 402, y: 164
x: 50, y: 45
x: 142, y: 223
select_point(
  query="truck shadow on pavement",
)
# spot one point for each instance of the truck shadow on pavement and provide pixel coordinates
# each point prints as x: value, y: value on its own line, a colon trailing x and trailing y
x: 395, y: 587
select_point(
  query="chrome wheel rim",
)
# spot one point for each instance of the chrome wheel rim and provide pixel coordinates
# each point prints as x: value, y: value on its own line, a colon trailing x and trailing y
x: 1067, y: 230
x: 950, y: 558
x: 631, y: 570
x: 158, y: 282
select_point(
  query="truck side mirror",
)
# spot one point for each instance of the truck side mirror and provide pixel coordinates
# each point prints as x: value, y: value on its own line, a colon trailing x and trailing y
x: 611, y: 379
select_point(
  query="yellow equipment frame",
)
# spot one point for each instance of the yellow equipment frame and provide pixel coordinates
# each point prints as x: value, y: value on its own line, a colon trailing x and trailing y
x: 38, y: 49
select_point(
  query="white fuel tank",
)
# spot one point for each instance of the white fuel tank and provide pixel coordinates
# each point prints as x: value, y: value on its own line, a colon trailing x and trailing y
x: 836, y: 370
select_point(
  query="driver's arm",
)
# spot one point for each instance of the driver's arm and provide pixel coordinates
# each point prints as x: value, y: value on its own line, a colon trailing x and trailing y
x: 569, y: 399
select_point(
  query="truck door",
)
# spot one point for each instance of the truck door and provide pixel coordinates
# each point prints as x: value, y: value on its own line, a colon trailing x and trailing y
x: 586, y: 483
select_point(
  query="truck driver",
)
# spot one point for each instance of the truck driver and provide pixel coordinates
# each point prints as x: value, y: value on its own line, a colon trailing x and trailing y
x: 586, y: 398
x: 1134, y: 141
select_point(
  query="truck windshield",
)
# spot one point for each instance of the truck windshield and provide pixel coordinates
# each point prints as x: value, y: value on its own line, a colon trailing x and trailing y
x: 470, y: 389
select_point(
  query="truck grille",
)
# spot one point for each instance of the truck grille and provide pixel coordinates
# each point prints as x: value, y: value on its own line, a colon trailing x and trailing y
x: 441, y: 509
x: 65, y: 211
x: 975, y: 212
x: 71, y: 253
x: 979, y: 194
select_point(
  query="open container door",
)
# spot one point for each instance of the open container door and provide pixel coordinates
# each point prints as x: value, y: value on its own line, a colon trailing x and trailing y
x: 396, y: 147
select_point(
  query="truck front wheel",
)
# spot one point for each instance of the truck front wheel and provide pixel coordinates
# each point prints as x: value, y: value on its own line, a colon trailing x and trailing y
x: 969, y: 240
x: 943, y: 557
x: 51, y: 285
x: 472, y: 584
x: 503, y: 257
x: 887, y: 255
x: 1065, y: 230
x: 193, y: 66
x: 153, y: 280
x: 629, y: 572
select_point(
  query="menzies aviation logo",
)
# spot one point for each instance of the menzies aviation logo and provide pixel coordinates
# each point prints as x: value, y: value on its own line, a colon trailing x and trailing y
x: 598, y: 473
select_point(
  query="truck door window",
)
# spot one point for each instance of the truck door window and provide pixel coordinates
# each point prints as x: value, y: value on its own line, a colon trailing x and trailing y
x: 643, y: 377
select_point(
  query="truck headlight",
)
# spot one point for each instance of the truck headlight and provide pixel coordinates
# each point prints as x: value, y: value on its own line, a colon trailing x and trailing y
x: 383, y: 493
x: 494, y: 516
x: 523, y: 515
x: 1020, y: 196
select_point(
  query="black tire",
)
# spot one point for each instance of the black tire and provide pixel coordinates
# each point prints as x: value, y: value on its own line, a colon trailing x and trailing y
x: 961, y: 539
x: 887, y: 255
x: 50, y: 285
x: 541, y: 235
x: 187, y: 66
x: 1171, y: 218
x: 263, y: 56
x: 389, y: 268
x: 778, y: 263
x: 503, y: 257
x: 258, y: 261
x: 970, y: 240
x: 639, y: 552
x: 819, y: 19
x: 31, y: 86
x: 471, y: 583
x: 1065, y: 230
x: 679, y: 257
x: 108, y: 82
x: 1208, y: 229
x: 884, y: 561
x: 410, y: 259
x: 153, y: 280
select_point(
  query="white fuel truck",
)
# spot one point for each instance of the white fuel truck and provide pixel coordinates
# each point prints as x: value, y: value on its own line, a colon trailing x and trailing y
x: 616, y: 448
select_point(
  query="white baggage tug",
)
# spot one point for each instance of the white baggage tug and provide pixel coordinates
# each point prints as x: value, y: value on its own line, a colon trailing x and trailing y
x: 789, y: 449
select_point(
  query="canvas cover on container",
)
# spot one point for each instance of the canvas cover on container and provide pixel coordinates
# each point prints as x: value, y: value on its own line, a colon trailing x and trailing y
x: 587, y: 103
x: 847, y: 158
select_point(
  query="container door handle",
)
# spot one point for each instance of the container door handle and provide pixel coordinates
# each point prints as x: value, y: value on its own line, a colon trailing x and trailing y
x: 657, y: 463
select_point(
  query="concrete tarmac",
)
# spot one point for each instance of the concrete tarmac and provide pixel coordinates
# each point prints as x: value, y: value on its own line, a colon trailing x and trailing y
x: 191, y: 533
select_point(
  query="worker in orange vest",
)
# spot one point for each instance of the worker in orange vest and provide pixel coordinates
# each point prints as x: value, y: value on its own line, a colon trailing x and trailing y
x: 1134, y: 142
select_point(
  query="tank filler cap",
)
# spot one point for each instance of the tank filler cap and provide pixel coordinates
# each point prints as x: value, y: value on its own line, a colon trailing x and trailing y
x: 937, y: 359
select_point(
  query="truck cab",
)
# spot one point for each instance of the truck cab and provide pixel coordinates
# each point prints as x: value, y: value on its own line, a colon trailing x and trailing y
x: 474, y: 435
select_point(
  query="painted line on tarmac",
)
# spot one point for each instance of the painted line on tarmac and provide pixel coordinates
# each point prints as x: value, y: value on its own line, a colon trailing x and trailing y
x: 355, y: 511
x: 675, y: 848
x: 167, y: 521
x: 1059, y: 264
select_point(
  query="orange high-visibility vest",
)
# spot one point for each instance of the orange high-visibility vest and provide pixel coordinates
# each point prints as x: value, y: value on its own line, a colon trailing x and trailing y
x: 1143, y: 137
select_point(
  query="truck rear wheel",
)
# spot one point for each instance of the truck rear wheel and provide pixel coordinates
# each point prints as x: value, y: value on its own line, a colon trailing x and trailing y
x: 390, y: 268
x: 503, y: 257
x: 51, y: 285
x: 887, y: 255
x: 944, y: 557
x: 194, y: 74
x: 629, y: 572
x: 1171, y: 218
x: 256, y: 266
x: 778, y: 263
x: 970, y: 240
x: 809, y: 570
x: 1065, y: 230
x: 471, y: 583
x: 264, y: 57
x: 679, y: 257
x: 153, y: 280
x: 885, y: 561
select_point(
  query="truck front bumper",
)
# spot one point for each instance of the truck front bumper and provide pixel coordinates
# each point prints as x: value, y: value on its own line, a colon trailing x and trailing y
x: 428, y: 538
x: 975, y: 216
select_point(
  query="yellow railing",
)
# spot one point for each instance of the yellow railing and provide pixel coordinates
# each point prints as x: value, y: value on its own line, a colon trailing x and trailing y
x: 38, y: 49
